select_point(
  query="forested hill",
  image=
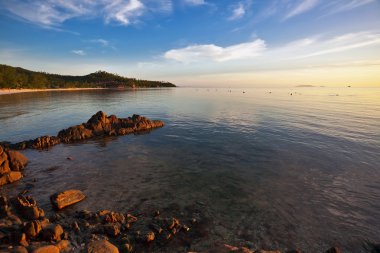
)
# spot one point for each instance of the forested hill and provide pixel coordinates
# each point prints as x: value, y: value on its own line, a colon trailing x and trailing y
x: 14, y: 77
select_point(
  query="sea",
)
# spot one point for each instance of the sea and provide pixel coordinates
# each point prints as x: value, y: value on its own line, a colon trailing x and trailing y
x: 266, y: 168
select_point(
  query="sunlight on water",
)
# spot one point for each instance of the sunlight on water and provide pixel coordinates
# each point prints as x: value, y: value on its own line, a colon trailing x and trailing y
x: 285, y: 168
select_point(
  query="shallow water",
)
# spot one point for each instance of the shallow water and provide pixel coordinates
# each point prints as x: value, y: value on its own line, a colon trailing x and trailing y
x: 270, y: 170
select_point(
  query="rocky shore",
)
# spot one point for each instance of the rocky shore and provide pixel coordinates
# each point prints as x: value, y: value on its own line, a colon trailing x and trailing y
x: 25, y: 227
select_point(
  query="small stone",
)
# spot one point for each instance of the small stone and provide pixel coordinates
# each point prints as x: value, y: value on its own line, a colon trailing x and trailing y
x: 130, y: 218
x: 185, y: 228
x: 75, y: 226
x: 112, y: 230
x: 63, y: 245
x: 126, y: 248
x: 66, y: 198
x: 46, y: 249
x: 101, y: 246
x: 21, y: 239
x: 32, y: 228
x: 156, y: 228
x: 20, y: 249
x: 171, y: 223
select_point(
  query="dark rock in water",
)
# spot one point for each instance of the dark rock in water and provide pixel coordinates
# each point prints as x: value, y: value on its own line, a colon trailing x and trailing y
x: 333, y: 250
x: 112, y: 230
x: 20, y: 249
x: 101, y: 246
x: 28, y: 208
x: 113, y: 217
x: 17, y: 161
x: 66, y: 198
x: 32, y: 228
x: 52, y: 233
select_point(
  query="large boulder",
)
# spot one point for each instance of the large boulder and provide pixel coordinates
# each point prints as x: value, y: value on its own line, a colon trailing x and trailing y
x: 101, y: 246
x: 67, y: 198
x: 17, y: 161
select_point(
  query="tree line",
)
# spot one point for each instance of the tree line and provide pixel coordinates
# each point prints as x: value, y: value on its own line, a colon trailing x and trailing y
x: 15, y: 78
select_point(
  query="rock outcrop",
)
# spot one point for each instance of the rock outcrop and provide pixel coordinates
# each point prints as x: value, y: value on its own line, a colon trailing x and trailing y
x: 11, y: 164
x: 101, y: 125
x: 67, y: 198
x: 98, y: 125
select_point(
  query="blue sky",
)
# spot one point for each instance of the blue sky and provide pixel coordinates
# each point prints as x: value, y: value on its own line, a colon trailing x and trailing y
x: 198, y: 42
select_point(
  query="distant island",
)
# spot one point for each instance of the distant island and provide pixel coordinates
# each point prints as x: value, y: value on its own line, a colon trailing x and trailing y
x: 19, y: 78
x: 305, y: 86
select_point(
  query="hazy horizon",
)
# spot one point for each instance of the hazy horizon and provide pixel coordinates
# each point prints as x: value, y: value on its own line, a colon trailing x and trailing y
x: 199, y: 43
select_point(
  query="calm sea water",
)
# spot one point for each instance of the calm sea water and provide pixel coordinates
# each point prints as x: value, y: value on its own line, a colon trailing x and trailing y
x: 269, y: 170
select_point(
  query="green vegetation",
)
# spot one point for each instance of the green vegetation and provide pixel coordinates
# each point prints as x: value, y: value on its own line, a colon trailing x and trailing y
x: 12, y: 77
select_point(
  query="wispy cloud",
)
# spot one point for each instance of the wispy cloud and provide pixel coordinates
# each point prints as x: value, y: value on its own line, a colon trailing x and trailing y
x: 341, y: 43
x: 302, y: 7
x: 211, y: 52
x: 103, y: 42
x: 53, y: 13
x: 195, y: 2
x: 345, y: 5
x: 78, y: 52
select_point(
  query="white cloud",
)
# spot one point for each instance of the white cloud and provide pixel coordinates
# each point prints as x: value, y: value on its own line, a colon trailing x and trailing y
x: 302, y: 7
x: 53, y: 13
x: 78, y: 52
x: 195, y: 2
x: 238, y: 12
x: 124, y: 12
x: 196, y: 53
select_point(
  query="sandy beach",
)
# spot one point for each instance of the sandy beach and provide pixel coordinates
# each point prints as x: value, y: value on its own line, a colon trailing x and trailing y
x: 13, y: 91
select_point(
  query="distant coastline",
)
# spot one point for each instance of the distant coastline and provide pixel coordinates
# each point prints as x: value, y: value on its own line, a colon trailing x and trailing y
x: 19, y: 78
x: 14, y: 91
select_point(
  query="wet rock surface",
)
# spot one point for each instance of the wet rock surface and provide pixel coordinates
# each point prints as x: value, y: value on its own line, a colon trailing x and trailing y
x: 11, y: 164
x: 98, y: 125
x: 66, y: 198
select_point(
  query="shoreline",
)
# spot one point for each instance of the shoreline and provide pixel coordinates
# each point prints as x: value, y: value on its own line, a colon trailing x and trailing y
x: 14, y: 91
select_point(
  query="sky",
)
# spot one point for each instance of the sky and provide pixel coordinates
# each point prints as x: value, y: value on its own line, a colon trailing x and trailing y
x: 225, y: 43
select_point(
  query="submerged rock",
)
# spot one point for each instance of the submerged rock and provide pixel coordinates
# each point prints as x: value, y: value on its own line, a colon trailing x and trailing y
x: 66, y: 198
x: 28, y: 208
